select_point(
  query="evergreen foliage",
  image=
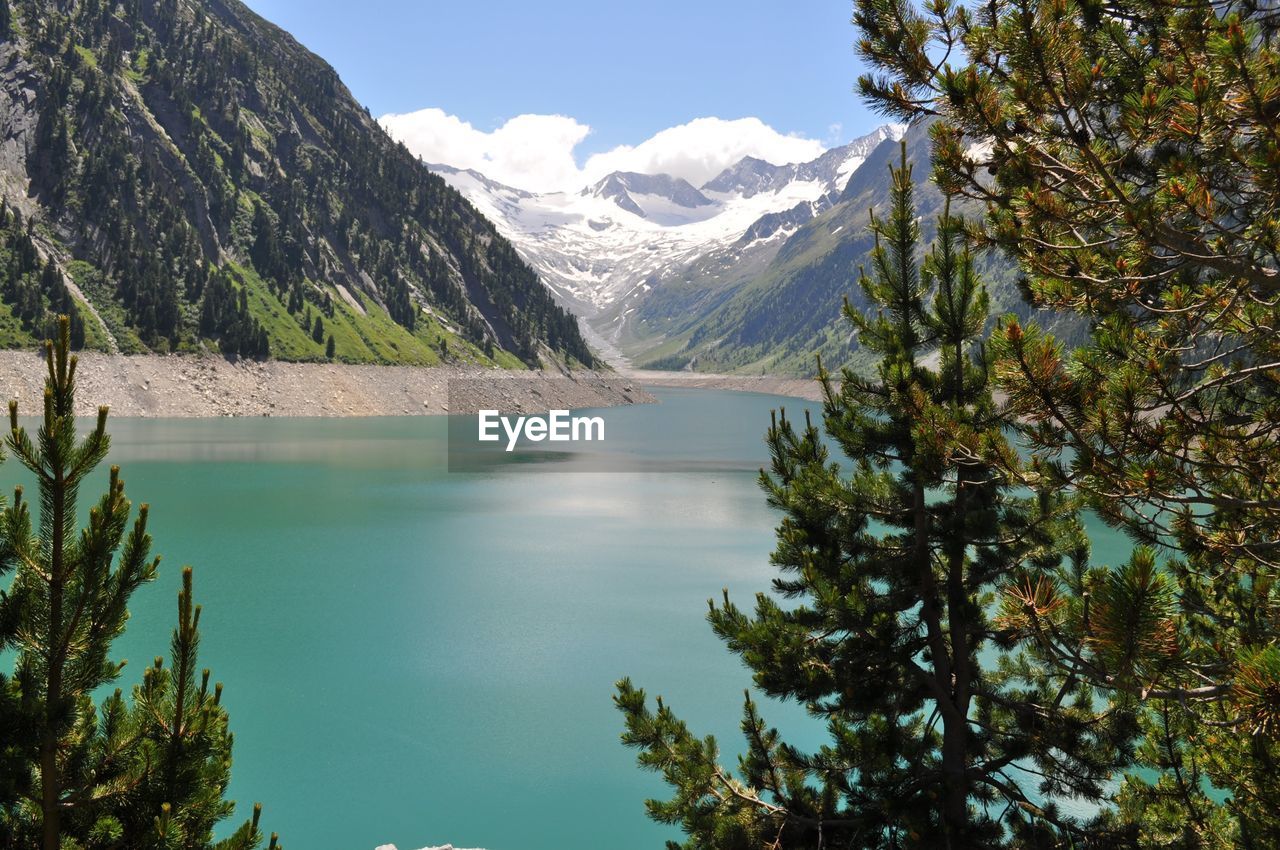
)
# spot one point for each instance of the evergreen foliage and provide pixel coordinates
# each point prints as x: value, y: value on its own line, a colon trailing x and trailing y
x: 184, y: 739
x: 888, y: 633
x: 1127, y: 157
x: 224, y: 317
x: 148, y: 774
x: 32, y: 286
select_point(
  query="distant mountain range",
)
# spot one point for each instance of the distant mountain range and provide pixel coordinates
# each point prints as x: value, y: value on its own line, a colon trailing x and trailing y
x: 745, y: 273
x: 185, y: 176
x: 611, y: 242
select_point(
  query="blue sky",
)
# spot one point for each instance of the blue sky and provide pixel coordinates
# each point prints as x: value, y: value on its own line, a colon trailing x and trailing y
x: 626, y: 70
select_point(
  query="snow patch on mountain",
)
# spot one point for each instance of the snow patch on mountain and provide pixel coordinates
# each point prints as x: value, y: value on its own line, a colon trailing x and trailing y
x: 616, y: 239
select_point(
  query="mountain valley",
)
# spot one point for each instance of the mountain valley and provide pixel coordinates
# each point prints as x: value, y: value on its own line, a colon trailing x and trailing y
x: 745, y: 274
x: 606, y: 249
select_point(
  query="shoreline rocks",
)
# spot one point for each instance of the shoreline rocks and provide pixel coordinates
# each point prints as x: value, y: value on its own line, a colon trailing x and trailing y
x: 192, y: 386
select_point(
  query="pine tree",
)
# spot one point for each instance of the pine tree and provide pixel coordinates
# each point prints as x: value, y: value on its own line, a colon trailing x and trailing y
x: 185, y: 741
x: 67, y: 603
x: 73, y: 596
x: 266, y: 253
x: 17, y: 727
x: 888, y: 573
x: 317, y: 330
x: 1127, y: 160
x: 330, y: 347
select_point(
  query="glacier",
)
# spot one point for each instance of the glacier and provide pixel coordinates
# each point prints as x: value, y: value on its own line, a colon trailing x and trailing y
x: 603, y: 248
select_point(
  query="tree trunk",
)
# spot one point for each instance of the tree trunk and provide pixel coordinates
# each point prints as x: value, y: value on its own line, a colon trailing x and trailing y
x: 955, y: 727
x: 955, y: 801
x: 50, y: 784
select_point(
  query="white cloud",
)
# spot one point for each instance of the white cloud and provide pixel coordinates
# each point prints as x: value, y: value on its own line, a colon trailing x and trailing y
x: 536, y: 152
x: 704, y: 147
x: 529, y: 151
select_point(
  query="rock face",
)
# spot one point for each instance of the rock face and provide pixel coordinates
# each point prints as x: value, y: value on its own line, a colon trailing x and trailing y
x: 179, y: 386
x: 18, y: 120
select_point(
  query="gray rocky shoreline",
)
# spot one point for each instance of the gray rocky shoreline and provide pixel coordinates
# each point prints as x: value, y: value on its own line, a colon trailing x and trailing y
x: 192, y: 386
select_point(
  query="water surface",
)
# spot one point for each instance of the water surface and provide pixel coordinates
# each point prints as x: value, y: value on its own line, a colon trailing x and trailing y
x: 418, y: 657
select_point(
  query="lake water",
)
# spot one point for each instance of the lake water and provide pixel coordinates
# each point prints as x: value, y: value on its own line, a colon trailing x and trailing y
x: 419, y: 657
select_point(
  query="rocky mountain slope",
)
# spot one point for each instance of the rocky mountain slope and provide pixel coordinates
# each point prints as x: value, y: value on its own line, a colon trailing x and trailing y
x: 182, y: 175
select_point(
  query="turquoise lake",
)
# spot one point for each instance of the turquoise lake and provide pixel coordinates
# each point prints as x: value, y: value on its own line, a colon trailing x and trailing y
x: 417, y: 657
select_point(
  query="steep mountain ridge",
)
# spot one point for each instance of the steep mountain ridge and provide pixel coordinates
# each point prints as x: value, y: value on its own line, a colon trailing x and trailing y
x: 198, y: 180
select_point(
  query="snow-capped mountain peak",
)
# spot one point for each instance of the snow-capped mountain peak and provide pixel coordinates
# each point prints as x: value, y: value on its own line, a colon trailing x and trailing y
x: 626, y: 233
x: 674, y: 189
x: 451, y: 174
x: 750, y: 176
